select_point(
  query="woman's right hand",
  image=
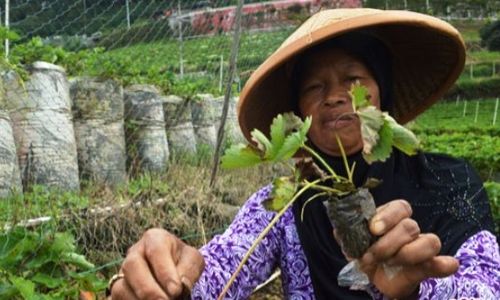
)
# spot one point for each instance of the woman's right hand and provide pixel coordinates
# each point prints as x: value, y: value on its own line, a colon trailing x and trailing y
x: 158, y: 266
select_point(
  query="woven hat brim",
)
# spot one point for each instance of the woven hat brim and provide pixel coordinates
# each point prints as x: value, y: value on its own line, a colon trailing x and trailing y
x: 428, y: 56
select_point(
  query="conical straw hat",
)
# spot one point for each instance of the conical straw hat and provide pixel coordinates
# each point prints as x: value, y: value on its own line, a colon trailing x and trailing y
x: 428, y: 56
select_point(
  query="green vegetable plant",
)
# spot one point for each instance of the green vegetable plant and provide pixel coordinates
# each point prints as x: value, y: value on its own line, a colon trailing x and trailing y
x: 288, y: 139
x: 44, y: 264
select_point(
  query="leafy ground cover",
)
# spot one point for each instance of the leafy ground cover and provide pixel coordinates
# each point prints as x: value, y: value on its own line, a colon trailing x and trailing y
x: 444, y: 128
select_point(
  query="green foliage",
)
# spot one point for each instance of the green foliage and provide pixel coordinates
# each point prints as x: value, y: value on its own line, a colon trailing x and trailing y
x: 490, y: 35
x: 475, y: 88
x: 379, y: 131
x: 284, y: 189
x: 288, y: 134
x: 40, y: 201
x: 43, y: 264
x: 493, y: 190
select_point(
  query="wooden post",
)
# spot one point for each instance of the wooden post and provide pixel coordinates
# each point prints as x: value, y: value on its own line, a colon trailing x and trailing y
x: 458, y: 100
x: 471, y: 71
x: 229, y: 83
x: 493, y: 69
x: 465, y: 108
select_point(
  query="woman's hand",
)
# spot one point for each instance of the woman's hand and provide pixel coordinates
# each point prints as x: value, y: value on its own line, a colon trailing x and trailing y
x: 158, y: 266
x: 401, y: 244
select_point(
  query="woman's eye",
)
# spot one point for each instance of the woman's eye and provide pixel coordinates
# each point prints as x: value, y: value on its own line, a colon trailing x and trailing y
x: 353, y: 78
x: 311, y: 88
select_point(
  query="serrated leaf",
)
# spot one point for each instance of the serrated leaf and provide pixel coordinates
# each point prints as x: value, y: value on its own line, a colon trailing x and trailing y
x: 263, y: 143
x: 403, y: 138
x: 47, y: 280
x: 359, y: 96
x: 371, y: 120
x: 383, y: 148
x: 283, y: 127
x: 283, y: 191
x: 277, y: 132
x: 25, y: 287
x: 241, y: 155
x: 294, y: 141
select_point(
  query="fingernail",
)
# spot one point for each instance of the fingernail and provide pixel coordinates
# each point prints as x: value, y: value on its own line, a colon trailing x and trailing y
x: 174, y: 286
x: 186, y: 282
x: 378, y: 227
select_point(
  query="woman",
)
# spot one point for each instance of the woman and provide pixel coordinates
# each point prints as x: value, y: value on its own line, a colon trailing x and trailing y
x: 433, y: 218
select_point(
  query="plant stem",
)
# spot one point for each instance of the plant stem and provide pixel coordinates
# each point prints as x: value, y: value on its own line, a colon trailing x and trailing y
x: 325, y: 189
x: 344, y: 158
x: 262, y: 235
x: 307, y: 202
x: 322, y: 161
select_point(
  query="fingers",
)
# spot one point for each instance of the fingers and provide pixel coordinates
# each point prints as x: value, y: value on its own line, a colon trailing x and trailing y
x: 190, y: 266
x: 122, y: 291
x: 389, y: 215
x: 422, y: 249
x: 139, y: 278
x: 438, y: 266
x: 162, y: 252
x: 400, y: 235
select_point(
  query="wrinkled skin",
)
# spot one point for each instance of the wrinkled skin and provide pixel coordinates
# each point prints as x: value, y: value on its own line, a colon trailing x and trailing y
x: 160, y: 266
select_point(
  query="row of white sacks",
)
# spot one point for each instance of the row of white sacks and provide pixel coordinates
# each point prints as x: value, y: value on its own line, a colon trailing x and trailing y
x: 56, y: 133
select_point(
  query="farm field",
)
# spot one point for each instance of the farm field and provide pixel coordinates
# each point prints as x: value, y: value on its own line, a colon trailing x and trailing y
x: 93, y: 228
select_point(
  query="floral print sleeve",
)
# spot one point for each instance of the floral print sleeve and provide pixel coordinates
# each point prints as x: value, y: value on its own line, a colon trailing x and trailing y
x: 224, y: 252
x: 478, y: 276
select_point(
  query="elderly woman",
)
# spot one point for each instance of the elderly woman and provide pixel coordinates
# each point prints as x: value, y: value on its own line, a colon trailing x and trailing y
x: 433, y: 218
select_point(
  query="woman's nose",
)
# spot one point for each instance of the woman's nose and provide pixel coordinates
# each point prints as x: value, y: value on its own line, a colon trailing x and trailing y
x: 336, y: 95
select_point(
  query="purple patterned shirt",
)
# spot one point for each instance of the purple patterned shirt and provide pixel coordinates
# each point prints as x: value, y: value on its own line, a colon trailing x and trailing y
x: 477, y: 278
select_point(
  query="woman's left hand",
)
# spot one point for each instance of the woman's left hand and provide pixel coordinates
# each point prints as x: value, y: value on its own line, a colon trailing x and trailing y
x: 401, y: 244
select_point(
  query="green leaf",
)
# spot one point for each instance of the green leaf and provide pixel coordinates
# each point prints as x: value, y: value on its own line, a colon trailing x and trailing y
x: 371, y: 120
x: 403, y: 138
x: 263, y: 143
x: 294, y: 141
x: 371, y: 183
x: 241, y: 155
x: 25, y: 287
x: 359, y: 96
x: 47, y: 280
x: 383, y: 148
x: 77, y: 260
x: 283, y: 191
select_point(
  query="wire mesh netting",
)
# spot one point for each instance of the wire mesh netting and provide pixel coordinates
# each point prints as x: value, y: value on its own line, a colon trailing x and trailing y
x: 109, y: 114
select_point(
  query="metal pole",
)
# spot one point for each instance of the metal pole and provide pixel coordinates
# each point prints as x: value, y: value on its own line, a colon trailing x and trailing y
x: 128, y: 14
x: 221, y: 72
x: 405, y: 3
x: 477, y: 111
x: 427, y: 5
x: 495, y: 113
x: 7, y: 44
x: 181, y: 40
x: 229, y: 85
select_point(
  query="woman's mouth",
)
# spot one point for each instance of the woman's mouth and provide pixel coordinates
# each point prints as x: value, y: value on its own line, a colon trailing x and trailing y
x: 340, y: 121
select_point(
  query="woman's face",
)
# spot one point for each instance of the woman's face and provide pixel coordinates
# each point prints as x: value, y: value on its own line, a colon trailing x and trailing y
x: 325, y: 79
